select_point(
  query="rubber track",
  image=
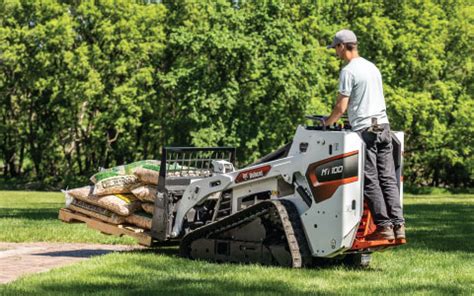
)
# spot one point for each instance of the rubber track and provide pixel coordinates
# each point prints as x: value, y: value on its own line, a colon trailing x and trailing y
x: 289, y: 218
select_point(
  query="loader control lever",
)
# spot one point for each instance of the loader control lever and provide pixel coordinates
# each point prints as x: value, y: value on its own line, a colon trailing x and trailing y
x: 319, y: 122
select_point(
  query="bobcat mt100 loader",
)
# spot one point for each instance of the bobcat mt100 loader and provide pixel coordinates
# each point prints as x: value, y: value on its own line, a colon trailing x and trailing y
x: 300, y: 203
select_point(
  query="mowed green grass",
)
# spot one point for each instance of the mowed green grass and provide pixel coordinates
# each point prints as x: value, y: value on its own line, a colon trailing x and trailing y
x: 438, y: 260
x: 28, y: 216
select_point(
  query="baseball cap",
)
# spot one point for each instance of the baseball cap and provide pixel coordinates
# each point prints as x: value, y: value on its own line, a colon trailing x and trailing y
x: 343, y: 36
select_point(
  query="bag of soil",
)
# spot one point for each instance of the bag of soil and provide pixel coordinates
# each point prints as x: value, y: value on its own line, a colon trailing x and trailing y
x: 121, y: 170
x: 148, y: 174
x: 140, y: 219
x: 95, y: 212
x: 117, y: 184
x: 148, y: 207
x: 145, y: 193
x: 122, y: 204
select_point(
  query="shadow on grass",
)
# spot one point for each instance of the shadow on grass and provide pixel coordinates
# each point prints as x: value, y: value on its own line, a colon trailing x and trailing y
x: 30, y: 214
x: 169, y: 251
x: 440, y: 227
x: 84, y: 253
x: 180, y: 286
x: 173, y: 252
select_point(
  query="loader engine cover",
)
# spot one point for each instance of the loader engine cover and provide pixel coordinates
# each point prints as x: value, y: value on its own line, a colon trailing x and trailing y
x: 334, y: 174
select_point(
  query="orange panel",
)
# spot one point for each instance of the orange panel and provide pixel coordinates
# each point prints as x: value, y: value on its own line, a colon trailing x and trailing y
x: 366, y: 227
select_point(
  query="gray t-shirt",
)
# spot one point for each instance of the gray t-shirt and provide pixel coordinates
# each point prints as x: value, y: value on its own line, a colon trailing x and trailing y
x: 361, y: 81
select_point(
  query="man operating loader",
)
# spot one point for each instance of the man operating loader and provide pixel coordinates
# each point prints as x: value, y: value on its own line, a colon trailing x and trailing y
x: 361, y: 94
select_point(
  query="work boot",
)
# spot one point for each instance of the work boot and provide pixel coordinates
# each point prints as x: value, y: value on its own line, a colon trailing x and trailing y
x: 399, y: 231
x: 381, y: 233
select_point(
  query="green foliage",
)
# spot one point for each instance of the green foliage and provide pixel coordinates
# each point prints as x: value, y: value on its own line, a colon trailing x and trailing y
x: 88, y: 84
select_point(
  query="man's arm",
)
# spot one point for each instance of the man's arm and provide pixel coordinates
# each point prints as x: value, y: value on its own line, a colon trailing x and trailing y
x: 339, y: 109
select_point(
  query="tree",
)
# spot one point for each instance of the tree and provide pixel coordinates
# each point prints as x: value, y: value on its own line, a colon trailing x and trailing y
x: 89, y: 84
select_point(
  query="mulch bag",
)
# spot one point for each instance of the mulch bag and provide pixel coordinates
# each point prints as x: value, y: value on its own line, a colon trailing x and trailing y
x: 117, y: 184
x: 148, y: 175
x: 148, y: 207
x: 145, y: 193
x: 95, y: 212
x: 140, y: 219
x: 121, y: 170
x: 122, y: 204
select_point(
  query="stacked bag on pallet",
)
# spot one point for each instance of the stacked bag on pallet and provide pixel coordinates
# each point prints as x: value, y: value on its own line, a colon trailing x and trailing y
x: 122, y: 194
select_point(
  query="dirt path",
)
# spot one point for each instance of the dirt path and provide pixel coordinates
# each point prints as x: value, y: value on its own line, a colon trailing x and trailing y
x: 18, y: 259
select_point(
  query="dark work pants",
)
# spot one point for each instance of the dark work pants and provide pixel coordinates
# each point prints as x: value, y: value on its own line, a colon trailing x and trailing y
x: 380, y: 182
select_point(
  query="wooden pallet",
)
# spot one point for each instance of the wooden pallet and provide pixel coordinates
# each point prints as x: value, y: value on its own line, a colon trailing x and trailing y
x: 143, y: 237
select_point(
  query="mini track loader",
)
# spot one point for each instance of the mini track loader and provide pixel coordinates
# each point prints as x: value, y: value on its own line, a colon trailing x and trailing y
x: 300, y: 203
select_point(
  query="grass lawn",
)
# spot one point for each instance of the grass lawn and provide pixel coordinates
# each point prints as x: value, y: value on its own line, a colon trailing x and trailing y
x: 28, y: 216
x: 439, y: 259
